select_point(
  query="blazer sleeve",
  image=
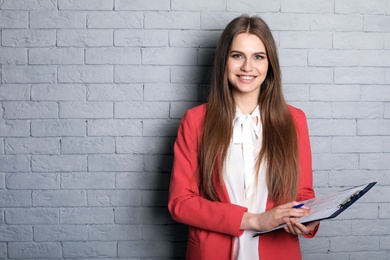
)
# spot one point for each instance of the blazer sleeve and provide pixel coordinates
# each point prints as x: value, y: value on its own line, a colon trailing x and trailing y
x: 185, y: 203
x: 306, y: 190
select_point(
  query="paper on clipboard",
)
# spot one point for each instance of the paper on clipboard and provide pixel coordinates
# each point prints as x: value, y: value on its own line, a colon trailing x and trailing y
x: 329, y: 205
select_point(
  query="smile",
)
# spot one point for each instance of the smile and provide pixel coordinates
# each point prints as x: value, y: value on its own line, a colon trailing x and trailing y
x: 246, y: 77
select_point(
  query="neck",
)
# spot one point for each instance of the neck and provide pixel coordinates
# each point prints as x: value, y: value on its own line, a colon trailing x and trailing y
x: 246, y: 104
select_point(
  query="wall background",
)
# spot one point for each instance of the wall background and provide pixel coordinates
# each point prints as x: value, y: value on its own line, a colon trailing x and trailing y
x: 92, y: 92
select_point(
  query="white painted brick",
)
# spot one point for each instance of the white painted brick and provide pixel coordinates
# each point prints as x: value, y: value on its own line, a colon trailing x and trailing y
x: 160, y: 127
x: 150, y: 38
x: 85, y: 5
x: 91, y: 181
x: 140, y: 249
x: 177, y: 232
x: 333, y: 58
x: 91, y: 215
x: 85, y: 38
x: 332, y: 127
x: 188, y: 38
x: 190, y: 74
x: 296, y: 92
x: 360, y: 6
x: 377, y: 58
x: 335, y: 161
x: 169, y: 92
x: 366, y: 110
x: 338, y: 23
x: 113, y: 55
x: 198, y: 5
x: 147, y: 5
x: 286, y: 21
x: 59, y: 198
x: 293, y: 57
x: 359, y: 75
x: 315, y: 109
x: 86, y: 110
x: 172, y: 20
x: 384, y: 211
x: 377, y: 255
x: 206, y: 56
x: 376, y: 161
x: 328, y: 93
x: 387, y: 111
x: 142, y: 215
x: 59, y: 232
x: 105, y: 19
x: 169, y: 56
x: 373, y: 127
x: 141, y: 109
x: 253, y: 6
x: 315, y: 245
x: 370, y: 227
x: 28, y: 5
x: 30, y: 110
x: 142, y: 145
x: 14, y: 128
x: 358, y: 243
x: 32, y: 146
x: 357, y: 40
x: 38, y: 181
x: 117, y: 92
x: 155, y: 198
x: 28, y: 38
x: 115, y: 198
x: 14, y: 92
x: 142, y: 180
x: 87, y: 145
x: 362, y: 144
x: 358, y: 177
x: 31, y: 216
x: 14, y: 163
x: 58, y: 92
x: 55, y: 19
x: 115, y: 232
x: 117, y: 127
x: 215, y: 20
x: 29, y: 74
x: 307, y: 6
x: 295, y: 75
x: 306, y: 40
x: 13, y: 56
x: 34, y: 250
x: 89, y: 249
x: 115, y: 162
x: 59, y: 127
x: 141, y: 74
x: 58, y: 163
x: 85, y: 74
x: 320, y: 144
x: 12, y: 19
x: 158, y: 163
x: 56, y: 56
x: 9, y: 233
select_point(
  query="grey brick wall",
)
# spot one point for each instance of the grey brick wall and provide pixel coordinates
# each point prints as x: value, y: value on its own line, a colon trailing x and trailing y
x: 92, y: 92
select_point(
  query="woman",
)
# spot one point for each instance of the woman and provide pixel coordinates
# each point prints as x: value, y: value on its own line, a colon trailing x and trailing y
x: 242, y: 160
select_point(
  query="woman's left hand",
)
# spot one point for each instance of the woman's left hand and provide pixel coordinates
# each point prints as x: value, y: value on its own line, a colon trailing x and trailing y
x: 296, y: 228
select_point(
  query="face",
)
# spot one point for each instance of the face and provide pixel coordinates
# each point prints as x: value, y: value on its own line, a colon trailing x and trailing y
x: 247, y: 65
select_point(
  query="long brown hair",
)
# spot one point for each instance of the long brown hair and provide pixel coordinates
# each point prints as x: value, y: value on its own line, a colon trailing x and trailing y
x: 279, y: 145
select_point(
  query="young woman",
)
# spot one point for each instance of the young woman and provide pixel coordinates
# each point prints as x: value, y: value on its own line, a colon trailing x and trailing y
x: 242, y: 160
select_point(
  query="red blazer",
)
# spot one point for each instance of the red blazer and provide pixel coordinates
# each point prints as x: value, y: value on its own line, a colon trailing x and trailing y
x: 213, y: 225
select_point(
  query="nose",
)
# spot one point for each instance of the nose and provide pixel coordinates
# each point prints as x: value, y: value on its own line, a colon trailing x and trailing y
x: 246, y: 65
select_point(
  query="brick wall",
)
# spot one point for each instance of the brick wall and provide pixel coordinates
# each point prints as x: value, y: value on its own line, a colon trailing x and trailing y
x: 92, y: 92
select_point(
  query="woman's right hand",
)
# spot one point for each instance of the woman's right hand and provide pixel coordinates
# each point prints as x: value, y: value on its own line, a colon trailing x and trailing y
x: 273, y: 217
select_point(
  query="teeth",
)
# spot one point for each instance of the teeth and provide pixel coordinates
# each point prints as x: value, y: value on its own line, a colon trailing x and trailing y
x: 246, y: 77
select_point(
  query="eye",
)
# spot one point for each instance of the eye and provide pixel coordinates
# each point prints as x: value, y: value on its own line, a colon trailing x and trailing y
x: 259, y: 57
x: 236, y: 56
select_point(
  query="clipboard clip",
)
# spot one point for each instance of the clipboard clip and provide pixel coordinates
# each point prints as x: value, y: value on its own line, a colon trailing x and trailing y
x: 351, y: 198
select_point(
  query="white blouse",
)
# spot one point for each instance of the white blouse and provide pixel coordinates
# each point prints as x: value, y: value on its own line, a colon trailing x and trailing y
x: 240, y: 178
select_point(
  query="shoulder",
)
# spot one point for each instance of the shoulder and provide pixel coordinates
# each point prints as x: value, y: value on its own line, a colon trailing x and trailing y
x: 297, y: 114
x: 193, y: 118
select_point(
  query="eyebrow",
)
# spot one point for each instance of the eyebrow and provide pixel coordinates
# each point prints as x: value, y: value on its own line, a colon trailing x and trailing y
x: 256, y: 53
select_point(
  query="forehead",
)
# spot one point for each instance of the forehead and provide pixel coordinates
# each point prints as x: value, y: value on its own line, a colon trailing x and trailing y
x: 247, y: 42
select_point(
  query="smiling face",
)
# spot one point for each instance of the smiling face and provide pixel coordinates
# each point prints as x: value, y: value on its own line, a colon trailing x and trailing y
x: 247, y: 66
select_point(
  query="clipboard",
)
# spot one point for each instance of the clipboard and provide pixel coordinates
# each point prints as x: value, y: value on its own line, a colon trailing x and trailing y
x: 328, y: 206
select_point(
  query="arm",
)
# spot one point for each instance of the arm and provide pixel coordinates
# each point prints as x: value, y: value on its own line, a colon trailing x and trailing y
x: 185, y: 204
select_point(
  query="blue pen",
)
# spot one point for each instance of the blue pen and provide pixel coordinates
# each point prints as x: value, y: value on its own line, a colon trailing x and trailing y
x: 298, y: 206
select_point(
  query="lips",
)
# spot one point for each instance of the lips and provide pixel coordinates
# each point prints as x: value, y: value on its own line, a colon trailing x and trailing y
x: 246, y: 77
